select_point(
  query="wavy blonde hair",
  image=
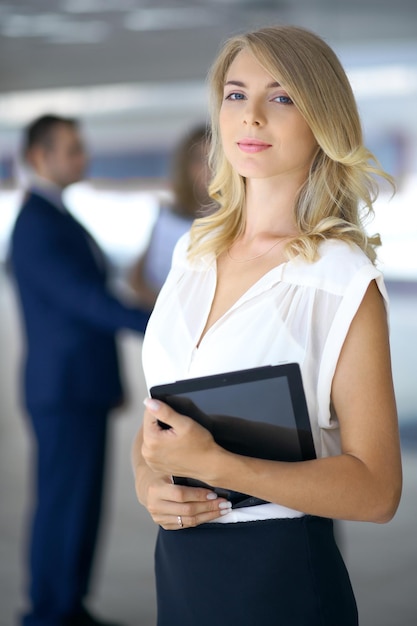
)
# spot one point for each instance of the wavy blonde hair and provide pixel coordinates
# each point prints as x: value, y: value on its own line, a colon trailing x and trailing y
x: 339, y: 192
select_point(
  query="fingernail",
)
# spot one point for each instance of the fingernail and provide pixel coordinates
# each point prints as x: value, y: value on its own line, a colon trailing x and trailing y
x: 225, y: 511
x: 225, y: 505
x: 212, y: 496
x: 151, y: 404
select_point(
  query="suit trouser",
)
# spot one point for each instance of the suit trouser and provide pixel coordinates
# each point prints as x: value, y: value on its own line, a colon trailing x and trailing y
x: 71, y: 449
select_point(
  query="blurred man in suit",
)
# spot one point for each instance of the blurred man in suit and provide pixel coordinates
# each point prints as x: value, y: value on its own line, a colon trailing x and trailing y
x: 71, y: 372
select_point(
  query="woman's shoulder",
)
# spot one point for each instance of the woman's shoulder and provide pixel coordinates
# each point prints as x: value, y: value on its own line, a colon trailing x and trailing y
x: 338, y: 265
x: 331, y: 252
x: 180, y: 254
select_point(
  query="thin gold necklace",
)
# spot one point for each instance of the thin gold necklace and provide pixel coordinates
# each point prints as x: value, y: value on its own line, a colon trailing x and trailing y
x: 258, y: 256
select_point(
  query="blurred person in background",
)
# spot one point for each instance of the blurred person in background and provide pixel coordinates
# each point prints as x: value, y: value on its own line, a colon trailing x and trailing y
x: 71, y: 372
x: 189, y: 182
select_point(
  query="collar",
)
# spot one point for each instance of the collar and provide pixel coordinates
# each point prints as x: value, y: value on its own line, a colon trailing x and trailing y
x: 47, y: 190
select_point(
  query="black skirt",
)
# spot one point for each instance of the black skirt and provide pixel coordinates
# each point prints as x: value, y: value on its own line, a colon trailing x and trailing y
x: 283, y: 572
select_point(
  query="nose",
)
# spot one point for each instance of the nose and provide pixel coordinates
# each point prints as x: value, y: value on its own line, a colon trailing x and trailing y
x: 253, y: 115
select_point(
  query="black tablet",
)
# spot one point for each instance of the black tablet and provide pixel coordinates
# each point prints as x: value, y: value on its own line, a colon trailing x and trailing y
x: 259, y: 412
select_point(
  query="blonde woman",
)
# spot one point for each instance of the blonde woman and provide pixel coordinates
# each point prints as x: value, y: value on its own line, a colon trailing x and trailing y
x: 282, y: 271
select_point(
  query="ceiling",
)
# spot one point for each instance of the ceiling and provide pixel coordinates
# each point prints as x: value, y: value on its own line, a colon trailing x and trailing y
x: 49, y: 49
x: 54, y: 43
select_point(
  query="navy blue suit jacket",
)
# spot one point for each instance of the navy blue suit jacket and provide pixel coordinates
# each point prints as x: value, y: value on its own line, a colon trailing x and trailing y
x: 69, y: 315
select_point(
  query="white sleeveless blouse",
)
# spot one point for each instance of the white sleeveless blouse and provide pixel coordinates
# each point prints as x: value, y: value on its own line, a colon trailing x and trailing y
x: 297, y: 312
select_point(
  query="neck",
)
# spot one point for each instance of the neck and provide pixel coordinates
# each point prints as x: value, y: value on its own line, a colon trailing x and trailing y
x: 42, y: 182
x: 270, y: 209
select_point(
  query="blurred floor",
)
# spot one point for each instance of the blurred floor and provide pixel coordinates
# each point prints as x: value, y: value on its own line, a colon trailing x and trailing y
x: 382, y: 559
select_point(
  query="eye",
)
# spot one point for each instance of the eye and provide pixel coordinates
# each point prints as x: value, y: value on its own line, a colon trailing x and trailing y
x: 235, y: 95
x: 283, y: 100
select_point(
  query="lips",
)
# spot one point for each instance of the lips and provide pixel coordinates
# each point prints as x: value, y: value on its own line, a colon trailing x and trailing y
x: 252, y: 145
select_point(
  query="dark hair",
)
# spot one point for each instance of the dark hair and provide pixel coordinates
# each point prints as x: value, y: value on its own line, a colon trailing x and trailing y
x: 183, y: 156
x: 40, y: 132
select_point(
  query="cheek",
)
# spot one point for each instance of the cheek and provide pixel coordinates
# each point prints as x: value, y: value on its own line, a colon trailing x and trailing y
x: 79, y: 163
x: 53, y: 162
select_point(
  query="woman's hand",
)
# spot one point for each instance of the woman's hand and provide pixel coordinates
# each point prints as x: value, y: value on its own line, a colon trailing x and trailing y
x: 181, y: 448
x: 175, y: 506
x: 157, y: 455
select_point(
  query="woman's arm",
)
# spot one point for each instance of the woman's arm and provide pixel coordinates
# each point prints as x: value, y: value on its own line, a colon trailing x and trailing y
x: 362, y: 483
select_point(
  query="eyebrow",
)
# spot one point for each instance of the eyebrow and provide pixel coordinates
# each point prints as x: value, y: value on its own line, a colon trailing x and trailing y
x: 238, y: 83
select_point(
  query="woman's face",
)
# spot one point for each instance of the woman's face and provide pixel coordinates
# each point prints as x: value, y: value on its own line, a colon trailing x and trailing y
x: 263, y: 133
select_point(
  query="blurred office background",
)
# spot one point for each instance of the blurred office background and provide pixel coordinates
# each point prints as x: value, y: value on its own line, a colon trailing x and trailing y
x: 134, y: 72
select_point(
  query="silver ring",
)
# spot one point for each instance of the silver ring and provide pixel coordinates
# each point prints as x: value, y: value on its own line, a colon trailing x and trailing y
x: 179, y: 518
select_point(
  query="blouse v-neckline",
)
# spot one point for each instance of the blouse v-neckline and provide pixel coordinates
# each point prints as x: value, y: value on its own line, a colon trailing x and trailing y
x: 257, y: 287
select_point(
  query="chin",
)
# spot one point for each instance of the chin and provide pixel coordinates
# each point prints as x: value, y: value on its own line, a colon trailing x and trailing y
x: 253, y: 170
